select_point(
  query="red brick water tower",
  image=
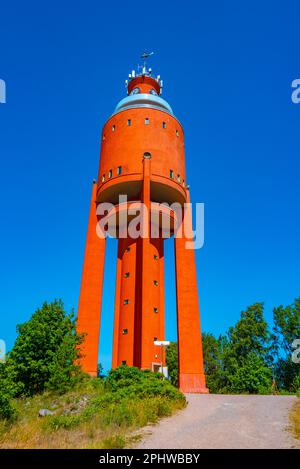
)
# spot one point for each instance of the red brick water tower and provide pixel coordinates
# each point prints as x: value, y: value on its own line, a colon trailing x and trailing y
x: 142, y: 157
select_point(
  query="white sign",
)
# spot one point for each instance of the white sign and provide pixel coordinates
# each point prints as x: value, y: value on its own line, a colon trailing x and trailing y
x: 161, y: 342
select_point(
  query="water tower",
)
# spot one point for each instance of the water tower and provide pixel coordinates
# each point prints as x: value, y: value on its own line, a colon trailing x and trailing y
x: 142, y: 157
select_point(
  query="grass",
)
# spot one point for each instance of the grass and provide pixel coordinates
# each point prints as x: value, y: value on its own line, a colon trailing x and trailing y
x: 89, y: 416
x: 295, y: 419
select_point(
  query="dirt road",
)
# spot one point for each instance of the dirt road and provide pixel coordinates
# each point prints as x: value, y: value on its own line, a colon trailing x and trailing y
x: 225, y: 421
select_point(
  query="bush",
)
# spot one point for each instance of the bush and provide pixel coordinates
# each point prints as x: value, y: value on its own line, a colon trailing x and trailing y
x: 126, y: 381
x: 7, y: 411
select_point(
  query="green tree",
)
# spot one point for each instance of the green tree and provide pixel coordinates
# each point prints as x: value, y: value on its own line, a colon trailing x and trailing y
x: 248, y: 353
x: 286, y: 330
x: 44, y: 354
x: 251, y: 376
x: 213, y: 350
x: 172, y: 362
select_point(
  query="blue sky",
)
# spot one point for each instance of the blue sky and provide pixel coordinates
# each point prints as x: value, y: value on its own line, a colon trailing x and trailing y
x: 227, y: 69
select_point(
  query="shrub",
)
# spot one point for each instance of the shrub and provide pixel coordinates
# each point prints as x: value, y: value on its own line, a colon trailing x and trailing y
x: 7, y: 411
x: 126, y: 381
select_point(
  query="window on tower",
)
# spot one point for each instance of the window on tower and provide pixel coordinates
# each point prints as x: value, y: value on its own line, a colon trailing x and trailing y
x: 126, y: 301
x: 135, y: 91
x: 129, y: 122
x: 127, y: 274
x: 155, y: 310
x: 110, y: 173
x: 124, y: 362
x: 119, y: 170
x: 155, y: 283
x: 125, y: 331
x: 113, y: 128
x: 171, y: 173
x: 153, y: 91
x: 178, y: 177
x: 177, y: 133
x: 147, y: 121
x: 164, y: 125
x: 155, y: 257
x: 103, y: 178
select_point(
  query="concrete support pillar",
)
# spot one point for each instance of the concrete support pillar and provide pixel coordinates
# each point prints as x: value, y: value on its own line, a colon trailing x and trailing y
x: 190, y: 357
x: 124, y: 325
x: 89, y: 308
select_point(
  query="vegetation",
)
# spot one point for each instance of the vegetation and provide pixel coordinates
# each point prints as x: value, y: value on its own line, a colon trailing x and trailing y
x: 44, y: 354
x: 172, y: 362
x: 251, y: 358
x: 97, y: 413
x: 295, y: 419
x: 286, y: 330
x: 42, y: 373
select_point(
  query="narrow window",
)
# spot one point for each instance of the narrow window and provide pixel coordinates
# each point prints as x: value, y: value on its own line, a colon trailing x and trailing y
x: 155, y: 257
x: 127, y: 274
x: 147, y: 121
x: 164, y: 125
x: 155, y: 283
x: 103, y: 177
x: 124, y: 362
x: 113, y: 128
x: 178, y: 177
x: 155, y: 310
x: 177, y: 133
x: 129, y: 122
x: 126, y: 301
x: 119, y: 170
x: 110, y: 174
x: 125, y: 331
x: 183, y: 183
x: 127, y: 249
x: 171, y: 173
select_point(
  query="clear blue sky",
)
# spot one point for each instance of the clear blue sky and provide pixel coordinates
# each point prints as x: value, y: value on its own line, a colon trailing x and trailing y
x: 227, y: 69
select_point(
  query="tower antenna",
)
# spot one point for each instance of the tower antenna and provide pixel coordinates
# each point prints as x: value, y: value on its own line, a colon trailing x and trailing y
x: 145, y: 55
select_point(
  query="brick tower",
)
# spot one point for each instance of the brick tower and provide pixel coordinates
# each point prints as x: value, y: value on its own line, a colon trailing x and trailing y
x: 142, y: 157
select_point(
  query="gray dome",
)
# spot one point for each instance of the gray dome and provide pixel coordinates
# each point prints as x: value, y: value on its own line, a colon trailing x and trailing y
x: 143, y: 100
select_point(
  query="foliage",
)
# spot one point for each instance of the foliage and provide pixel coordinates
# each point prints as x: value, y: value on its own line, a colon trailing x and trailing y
x: 100, y: 371
x: 213, y: 351
x: 251, y: 376
x: 240, y: 361
x: 286, y: 330
x: 172, y: 362
x: 248, y: 353
x: 295, y: 419
x: 94, y: 414
x: 125, y: 381
x: 44, y: 354
x: 7, y: 410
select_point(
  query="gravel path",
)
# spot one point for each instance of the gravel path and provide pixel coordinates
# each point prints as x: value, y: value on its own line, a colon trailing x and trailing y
x: 225, y: 421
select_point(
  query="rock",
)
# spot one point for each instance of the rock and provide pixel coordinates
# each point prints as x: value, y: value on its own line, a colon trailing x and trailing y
x: 44, y: 412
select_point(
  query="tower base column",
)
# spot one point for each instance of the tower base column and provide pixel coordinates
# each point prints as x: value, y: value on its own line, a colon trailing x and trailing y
x: 190, y: 357
x: 89, y: 308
